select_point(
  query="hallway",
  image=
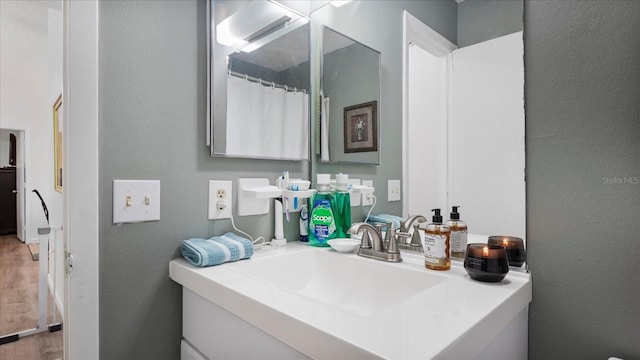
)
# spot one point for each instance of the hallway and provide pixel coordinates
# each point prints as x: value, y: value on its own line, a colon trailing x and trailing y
x: 19, y: 305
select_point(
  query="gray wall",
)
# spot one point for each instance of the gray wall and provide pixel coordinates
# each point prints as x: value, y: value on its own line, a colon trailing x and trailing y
x: 482, y: 20
x: 582, y: 132
x: 152, y: 126
x: 350, y: 77
x: 254, y: 70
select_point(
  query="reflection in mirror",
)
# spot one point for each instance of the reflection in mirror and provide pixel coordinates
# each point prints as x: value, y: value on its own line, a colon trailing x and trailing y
x: 351, y: 100
x: 469, y: 130
x: 259, y: 81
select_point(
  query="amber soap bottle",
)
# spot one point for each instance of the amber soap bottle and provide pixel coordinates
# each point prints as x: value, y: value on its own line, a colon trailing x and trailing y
x: 436, y: 244
x: 458, y: 234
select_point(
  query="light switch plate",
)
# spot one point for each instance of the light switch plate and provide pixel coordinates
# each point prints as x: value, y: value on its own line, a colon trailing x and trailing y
x: 366, y: 199
x: 393, y: 190
x: 136, y: 201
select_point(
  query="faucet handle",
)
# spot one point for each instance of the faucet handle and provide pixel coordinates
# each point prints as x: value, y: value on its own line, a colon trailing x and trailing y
x: 416, y: 240
x: 365, y: 242
x: 392, y: 248
x: 389, y: 234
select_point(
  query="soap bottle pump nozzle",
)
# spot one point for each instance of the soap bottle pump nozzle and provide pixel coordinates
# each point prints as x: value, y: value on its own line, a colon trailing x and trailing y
x: 437, y: 218
x: 455, y: 215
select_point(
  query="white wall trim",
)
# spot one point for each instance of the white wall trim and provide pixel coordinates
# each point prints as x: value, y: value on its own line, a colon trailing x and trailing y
x: 56, y: 297
x: 417, y: 33
x: 81, y: 221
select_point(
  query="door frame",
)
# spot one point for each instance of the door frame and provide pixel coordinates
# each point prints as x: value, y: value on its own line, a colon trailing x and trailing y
x: 23, y: 210
x: 80, y: 204
x: 415, y: 32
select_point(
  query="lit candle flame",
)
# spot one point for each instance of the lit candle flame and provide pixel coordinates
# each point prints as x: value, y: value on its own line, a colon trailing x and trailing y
x: 485, y: 251
x: 505, y: 242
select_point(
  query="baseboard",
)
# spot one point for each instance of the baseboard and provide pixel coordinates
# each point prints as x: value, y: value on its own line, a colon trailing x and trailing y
x: 56, y: 298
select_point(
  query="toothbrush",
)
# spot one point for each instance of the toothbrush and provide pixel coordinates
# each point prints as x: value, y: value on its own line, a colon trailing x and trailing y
x: 295, y: 199
x: 285, y: 185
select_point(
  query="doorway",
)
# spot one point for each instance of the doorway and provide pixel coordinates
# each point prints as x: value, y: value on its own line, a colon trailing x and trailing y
x: 31, y: 74
x: 13, y: 184
x: 8, y: 201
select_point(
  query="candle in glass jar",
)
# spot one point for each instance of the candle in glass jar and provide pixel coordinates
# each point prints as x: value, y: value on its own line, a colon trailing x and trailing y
x: 513, y: 245
x: 486, y: 262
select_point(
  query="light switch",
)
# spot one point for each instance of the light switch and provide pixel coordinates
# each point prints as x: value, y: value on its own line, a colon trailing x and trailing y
x: 393, y: 190
x: 136, y: 201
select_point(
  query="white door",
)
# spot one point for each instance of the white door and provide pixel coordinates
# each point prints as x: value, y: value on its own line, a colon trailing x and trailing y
x: 486, y: 136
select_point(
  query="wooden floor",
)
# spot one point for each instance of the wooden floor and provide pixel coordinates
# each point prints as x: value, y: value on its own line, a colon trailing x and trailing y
x: 19, y: 305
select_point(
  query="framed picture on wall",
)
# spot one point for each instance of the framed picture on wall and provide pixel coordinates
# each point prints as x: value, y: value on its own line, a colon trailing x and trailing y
x: 360, y: 127
x: 57, y: 144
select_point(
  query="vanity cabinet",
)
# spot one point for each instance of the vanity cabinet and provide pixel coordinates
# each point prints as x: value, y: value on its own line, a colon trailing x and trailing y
x: 211, y: 332
x: 219, y: 334
x: 346, y: 306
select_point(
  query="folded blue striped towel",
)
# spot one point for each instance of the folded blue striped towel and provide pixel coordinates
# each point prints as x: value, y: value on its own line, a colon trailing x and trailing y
x: 385, y: 218
x: 216, y: 250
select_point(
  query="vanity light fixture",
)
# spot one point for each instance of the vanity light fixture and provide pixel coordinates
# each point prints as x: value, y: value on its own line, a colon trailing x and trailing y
x: 256, y: 24
x: 286, y: 28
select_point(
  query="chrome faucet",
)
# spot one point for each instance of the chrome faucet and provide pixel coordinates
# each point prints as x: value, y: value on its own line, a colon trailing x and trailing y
x: 372, y: 245
x: 406, y: 224
x: 416, y: 242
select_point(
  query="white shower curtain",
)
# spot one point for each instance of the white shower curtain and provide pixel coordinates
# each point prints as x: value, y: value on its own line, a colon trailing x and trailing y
x: 324, y: 129
x: 266, y: 122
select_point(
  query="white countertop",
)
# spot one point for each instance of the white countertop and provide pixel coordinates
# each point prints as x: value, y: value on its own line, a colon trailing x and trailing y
x: 452, y: 319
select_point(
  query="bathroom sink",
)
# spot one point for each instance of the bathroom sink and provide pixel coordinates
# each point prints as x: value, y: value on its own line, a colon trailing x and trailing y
x: 326, y: 304
x: 350, y: 283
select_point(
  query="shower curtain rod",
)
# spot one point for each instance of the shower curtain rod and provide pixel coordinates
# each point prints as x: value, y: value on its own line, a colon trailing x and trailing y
x: 265, y: 82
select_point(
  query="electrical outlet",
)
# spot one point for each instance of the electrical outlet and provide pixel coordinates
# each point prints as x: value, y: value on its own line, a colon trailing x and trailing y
x: 367, y: 199
x: 393, y: 190
x: 220, y: 192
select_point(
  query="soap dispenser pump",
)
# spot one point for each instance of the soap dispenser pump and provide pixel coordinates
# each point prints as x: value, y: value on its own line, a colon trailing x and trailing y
x: 436, y: 244
x: 458, y: 233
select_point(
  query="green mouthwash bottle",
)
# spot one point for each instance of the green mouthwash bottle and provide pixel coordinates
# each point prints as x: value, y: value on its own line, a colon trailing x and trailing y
x: 342, y: 206
x: 322, y: 225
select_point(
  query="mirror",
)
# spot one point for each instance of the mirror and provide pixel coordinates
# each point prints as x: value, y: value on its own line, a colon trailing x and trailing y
x: 464, y: 24
x: 350, y: 100
x: 471, y: 135
x: 259, y: 81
